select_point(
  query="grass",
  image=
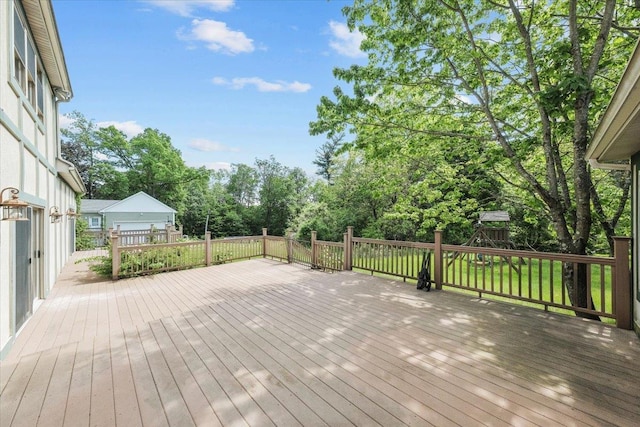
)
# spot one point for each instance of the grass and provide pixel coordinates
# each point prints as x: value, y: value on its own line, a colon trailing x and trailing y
x: 534, y: 279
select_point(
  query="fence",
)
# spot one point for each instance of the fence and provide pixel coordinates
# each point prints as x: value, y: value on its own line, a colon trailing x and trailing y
x: 143, y: 237
x: 588, y: 285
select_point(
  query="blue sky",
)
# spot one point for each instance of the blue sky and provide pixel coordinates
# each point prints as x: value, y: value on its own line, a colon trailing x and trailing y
x: 229, y: 81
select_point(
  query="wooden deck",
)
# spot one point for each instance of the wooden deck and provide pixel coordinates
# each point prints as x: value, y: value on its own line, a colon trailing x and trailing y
x: 264, y: 343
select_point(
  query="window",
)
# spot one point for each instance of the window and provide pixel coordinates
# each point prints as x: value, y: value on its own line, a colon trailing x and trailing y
x: 94, y: 222
x: 20, y: 70
x: 40, y: 92
x: 27, y: 70
x: 31, y: 74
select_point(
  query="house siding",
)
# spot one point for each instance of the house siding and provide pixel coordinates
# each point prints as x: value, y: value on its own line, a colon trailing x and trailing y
x: 28, y: 151
x: 144, y: 219
x: 635, y: 217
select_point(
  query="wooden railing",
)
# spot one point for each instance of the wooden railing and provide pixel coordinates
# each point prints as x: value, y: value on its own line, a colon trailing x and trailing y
x: 597, y: 286
x: 148, y: 259
x: 149, y: 236
x: 395, y: 258
x: 231, y: 249
x: 136, y: 260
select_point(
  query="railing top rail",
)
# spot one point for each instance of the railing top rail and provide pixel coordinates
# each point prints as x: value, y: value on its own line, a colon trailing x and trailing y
x: 395, y: 243
x: 273, y: 237
x: 159, y: 245
x: 240, y: 238
x: 581, y: 259
x: 326, y: 243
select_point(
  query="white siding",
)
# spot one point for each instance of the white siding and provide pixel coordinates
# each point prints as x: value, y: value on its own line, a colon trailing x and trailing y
x: 28, y: 148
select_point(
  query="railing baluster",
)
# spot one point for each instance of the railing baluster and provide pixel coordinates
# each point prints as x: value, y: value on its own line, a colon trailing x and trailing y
x: 551, y: 284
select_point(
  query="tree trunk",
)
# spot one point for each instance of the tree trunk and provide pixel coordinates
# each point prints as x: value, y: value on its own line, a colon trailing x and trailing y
x: 574, y: 278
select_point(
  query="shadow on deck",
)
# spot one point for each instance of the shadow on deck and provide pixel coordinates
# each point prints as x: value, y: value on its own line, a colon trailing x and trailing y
x: 264, y: 343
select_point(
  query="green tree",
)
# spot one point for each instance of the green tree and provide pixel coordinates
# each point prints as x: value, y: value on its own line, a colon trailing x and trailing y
x: 325, y: 156
x: 526, y: 78
x: 283, y: 192
x: 79, y: 146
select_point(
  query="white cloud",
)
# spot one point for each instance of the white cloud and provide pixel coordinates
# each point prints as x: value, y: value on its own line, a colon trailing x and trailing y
x: 211, y: 165
x: 345, y: 42
x: 130, y: 128
x: 187, y: 7
x: 64, y: 121
x: 201, y: 144
x: 218, y: 37
x: 263, y: 85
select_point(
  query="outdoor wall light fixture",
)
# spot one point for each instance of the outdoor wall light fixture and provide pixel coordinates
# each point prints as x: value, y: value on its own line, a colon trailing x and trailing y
x: 13, y: 209
x: 71, y: 213
x: 55, y: 214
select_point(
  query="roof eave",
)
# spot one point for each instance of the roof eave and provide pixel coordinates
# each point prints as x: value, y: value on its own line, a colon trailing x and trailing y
x: 615, y: 138
x: 70, y: 175
x: 42, y: 23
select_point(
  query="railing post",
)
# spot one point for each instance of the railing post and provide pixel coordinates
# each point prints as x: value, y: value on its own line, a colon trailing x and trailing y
x: 437, y: 255
x: 264, y: 243
x: 622, y: 283
x: 345, y: 240
x: 290, y: 247
x: 207, y: 248
x: 348, y: 253
x: 115, y: 256
x: 314, y: 254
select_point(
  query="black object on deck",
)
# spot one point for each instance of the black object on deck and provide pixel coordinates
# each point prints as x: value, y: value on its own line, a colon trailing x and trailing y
x: 424, y: 278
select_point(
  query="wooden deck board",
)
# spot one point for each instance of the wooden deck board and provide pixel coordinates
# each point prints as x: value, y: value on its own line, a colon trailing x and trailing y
x: 262, y: 343
x: 373, y: 348
x: 430, y: 389
x: 55, y: 401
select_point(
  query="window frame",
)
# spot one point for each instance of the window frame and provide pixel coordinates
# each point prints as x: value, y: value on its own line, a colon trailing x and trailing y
x: 97, y: 220
x: 28, y: 73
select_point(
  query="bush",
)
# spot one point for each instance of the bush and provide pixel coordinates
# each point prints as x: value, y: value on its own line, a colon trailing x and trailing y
x: 84, y: 240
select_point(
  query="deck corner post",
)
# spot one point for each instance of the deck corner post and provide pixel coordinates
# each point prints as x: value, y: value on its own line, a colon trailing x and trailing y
x: 437, y: 255
x: 290, y: 247
x: 115, y: 257
x: 622, y: 283
x: 314, y: 254
x: 207, y: 248
x: 348, y: 253
x: 264, y: 242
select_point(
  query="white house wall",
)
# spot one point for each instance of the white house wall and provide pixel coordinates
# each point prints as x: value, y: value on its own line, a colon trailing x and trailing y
x: 139, y: 202
x: 635, y: 217
x: 28, y: 150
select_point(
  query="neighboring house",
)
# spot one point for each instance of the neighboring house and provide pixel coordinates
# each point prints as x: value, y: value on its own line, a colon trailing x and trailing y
x: 91, y: 211
x: 616, y: 145
x: 33, y: 80
x: 137, y: 212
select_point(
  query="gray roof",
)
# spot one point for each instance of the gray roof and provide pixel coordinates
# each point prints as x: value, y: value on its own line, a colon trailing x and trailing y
x: 95, y: 205
x: 488, y: 216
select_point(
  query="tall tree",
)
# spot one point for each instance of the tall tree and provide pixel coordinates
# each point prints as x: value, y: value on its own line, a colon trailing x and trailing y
x: 325, y: 156
x: 527, y: 78
x: 79, y: 146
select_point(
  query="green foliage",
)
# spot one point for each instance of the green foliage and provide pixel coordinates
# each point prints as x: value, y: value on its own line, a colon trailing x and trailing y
x: 84, y: 240
x: 103, y: 264
x: 325, y: 156
x: 114, y: 167
x: 507, y: 92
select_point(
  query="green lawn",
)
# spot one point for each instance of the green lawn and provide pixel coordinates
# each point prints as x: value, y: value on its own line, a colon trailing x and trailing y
x: 531, y: 279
